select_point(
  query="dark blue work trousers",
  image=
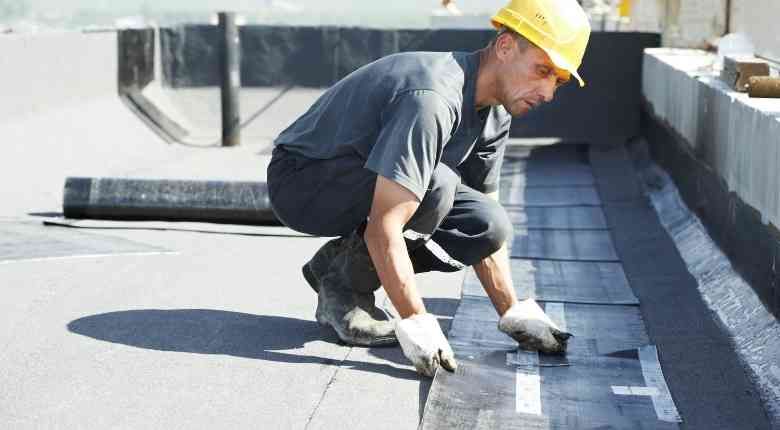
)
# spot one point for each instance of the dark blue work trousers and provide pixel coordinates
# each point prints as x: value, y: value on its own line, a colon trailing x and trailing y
x: 455, y: 226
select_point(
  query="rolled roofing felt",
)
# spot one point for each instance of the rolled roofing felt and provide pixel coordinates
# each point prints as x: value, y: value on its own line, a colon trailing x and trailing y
x: 764, y: 87
x: 168, y: 200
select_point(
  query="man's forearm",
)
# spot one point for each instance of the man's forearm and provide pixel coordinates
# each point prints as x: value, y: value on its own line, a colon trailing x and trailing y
x: 495, y: 275
x: 391, y: 260
x: 496, y: 278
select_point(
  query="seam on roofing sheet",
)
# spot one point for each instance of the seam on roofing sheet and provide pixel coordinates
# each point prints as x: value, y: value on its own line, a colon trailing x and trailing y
x: 754, y: 331
x: 655, y: 380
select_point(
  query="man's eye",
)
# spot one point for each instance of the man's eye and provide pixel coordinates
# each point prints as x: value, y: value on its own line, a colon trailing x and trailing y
x: 544, y: 71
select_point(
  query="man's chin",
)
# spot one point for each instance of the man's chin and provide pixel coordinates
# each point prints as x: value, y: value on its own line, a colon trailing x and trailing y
x: 516, y: 110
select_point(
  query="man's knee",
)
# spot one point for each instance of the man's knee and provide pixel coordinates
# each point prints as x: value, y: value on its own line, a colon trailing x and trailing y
x: 498, y: 227
x: 441, y: 190
x: 437, y: 202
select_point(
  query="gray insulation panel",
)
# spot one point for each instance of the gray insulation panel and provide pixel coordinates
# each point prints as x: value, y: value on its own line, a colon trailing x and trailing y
x: 21, y: 241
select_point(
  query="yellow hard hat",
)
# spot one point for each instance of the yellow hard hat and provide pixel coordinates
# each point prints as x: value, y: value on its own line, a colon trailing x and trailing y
x: 559, y: 27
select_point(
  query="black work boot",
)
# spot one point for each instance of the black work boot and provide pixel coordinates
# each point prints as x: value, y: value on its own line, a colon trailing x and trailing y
x: 315, y: 268
x: 346, y: 297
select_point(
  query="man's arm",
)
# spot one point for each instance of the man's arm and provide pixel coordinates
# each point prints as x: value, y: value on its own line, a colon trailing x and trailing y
x: 418, y: 332
x: 496, y: 276
x: 523, y: 320
x: 392, y: 207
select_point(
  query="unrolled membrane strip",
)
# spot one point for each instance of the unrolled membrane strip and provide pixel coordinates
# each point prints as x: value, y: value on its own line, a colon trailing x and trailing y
x: 547, y: 151
x: 565, y: 245
x: 610, y: 379
x: 546, y: 176
x: 562, y: 218
x: 547, y: 166
x: 599, y: 330
x: 518, y: 195
x: 171, y: 200
x: 564, y: 281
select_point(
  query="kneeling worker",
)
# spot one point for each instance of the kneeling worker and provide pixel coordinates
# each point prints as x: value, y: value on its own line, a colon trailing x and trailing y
x: 401, y: 161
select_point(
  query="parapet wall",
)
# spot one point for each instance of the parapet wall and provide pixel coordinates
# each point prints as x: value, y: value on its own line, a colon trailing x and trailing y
x: 606, y: 109
x: 723, y: 150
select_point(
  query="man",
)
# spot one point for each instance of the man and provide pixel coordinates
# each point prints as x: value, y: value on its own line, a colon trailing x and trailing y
x: 401, y: 161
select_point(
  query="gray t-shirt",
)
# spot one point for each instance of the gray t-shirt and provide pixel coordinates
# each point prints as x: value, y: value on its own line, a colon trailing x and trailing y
x: 403, y: 114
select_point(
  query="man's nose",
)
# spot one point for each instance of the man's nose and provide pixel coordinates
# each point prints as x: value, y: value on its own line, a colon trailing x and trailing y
x: 548, y: 88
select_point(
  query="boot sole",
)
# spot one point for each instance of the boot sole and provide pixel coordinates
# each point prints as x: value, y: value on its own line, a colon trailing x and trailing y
x: 377, y: 341
x: 308, y: 274
x: 343, y: 338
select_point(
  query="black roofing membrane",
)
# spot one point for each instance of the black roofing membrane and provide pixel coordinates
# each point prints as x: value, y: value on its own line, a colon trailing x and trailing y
x: 566, y: 245
x: 564, y: 281
x: 598, y: 330
x: 580, y: 390
x: 546, y: 171
x: 705, y: 373
x: 580, y: 195
x: 166, y: 199
x: 564, y: 256
x: 566, y: 218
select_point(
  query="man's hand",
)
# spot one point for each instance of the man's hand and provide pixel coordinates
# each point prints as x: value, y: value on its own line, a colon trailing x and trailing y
x: 424, y: 344
x: 527, y: 323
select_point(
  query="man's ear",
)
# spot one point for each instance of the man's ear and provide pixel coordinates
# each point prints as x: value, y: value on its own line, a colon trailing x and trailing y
x: 505, y: 46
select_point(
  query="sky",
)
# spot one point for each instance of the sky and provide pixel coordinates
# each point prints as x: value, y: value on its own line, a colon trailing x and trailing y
x: 206, y: 5
x: 295, y: 12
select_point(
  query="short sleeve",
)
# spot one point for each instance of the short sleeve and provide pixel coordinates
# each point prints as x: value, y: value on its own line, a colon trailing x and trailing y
x: 413, y: 131
x: 482, y: 168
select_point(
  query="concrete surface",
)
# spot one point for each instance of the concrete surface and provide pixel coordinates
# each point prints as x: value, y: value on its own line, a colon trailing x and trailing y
x: 166, y: 342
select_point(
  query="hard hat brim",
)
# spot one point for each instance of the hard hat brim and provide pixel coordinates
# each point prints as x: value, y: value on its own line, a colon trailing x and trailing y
x: 561, y: 63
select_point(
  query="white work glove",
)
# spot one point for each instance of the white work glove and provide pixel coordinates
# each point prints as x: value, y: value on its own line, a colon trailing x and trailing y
x: 424, y: 344
x: 527, y: 323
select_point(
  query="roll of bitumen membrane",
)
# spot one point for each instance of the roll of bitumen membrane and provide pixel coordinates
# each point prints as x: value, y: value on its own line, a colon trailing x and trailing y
x: 764, y: 87
x: 168, y: 200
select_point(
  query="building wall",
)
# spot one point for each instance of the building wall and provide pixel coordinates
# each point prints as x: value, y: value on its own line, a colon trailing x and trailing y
x: 758, y: 18
x: 684, y: 23
x: 694, y: 23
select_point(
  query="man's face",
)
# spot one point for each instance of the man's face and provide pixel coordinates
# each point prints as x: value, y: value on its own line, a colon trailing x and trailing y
x: 527, y: 77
